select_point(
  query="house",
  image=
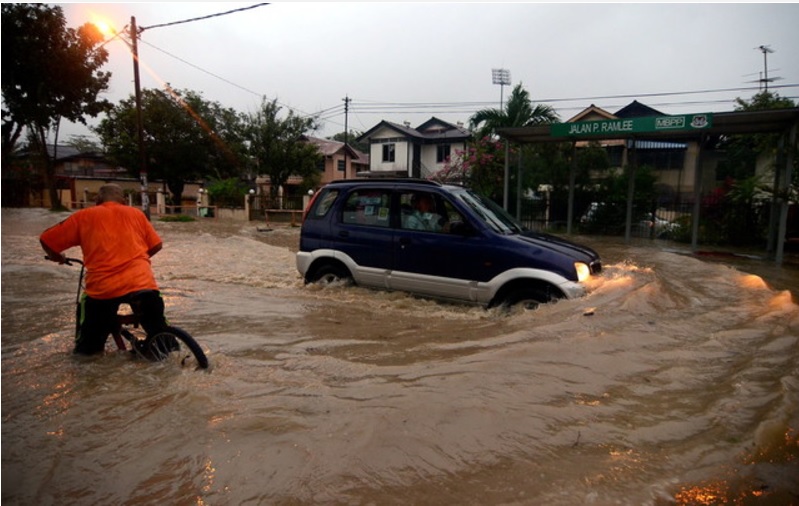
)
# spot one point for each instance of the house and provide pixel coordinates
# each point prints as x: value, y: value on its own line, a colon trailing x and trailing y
x: 399, y: 150
x: 24, y: 183
x: 70, y: 161
x: 79, y: 176
x: 339, y: 161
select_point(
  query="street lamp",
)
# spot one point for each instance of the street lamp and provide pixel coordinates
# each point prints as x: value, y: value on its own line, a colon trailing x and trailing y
x: 502, y: 78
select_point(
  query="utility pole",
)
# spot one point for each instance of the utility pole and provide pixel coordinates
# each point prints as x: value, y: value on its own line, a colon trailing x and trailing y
x: 766, y: 50
x: 765, y: 79
x: 346, y: 131
x: 145, y: 198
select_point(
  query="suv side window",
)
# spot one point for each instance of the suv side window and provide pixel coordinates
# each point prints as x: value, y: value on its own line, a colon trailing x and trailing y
x: 451, y: 214
x: 427, y: 211
x: 367, y: 207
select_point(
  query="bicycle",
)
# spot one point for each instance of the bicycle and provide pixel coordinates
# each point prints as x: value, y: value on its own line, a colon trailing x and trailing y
x: 159, y: 347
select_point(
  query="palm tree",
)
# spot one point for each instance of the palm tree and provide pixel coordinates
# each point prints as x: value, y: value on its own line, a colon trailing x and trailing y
x: 518, y: 112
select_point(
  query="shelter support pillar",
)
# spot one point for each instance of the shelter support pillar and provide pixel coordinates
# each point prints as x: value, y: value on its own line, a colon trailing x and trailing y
x: 773, y: 215
x: 572, y: 176
x: 519, y: 187
x: 633, y: 164
x: 507, y: 176
x: 697, y: 195
x: 789, y: 148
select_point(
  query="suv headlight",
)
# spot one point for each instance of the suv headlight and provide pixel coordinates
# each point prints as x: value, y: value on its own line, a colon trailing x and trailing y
x: 583, y: 271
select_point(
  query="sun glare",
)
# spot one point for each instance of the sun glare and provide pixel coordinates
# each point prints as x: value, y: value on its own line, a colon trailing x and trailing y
x: 105, y: 27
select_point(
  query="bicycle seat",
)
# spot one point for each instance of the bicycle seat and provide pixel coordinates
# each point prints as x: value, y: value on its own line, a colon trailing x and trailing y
x: 138, y: 293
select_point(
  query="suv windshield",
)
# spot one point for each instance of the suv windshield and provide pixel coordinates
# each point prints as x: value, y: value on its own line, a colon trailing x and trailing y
x: 491, y: 213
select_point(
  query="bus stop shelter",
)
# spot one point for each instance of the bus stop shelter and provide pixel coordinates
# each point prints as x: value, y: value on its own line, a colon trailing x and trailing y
x: 683, y: 128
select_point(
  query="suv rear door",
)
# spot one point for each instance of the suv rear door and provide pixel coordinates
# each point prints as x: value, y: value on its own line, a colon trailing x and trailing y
x: 362, y: 230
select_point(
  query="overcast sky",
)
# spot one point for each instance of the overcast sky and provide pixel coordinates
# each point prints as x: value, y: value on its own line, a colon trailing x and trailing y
x: 410, y: 61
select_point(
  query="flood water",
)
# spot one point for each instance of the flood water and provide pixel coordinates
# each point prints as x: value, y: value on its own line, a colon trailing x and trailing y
x: 675, y: 381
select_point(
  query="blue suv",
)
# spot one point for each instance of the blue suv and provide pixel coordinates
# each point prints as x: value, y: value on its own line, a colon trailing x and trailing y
x: 438, y: 241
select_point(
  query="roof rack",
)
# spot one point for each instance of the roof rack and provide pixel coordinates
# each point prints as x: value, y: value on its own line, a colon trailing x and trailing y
x: 413, y: 180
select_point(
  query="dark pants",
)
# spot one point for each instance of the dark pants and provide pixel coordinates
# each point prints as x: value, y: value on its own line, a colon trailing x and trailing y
x: 97, y: 318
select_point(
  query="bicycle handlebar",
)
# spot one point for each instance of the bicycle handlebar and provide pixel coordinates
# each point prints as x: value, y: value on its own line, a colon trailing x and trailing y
x: 67, y: 260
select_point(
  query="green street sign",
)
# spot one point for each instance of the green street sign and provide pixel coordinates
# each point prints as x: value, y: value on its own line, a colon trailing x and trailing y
x: 628, y: 126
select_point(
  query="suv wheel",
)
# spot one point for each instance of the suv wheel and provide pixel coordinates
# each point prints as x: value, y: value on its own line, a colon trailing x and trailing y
x: 526, y: 298
x: 330, y: 273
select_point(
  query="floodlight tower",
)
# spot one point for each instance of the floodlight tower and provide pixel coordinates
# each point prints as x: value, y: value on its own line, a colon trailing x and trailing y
x: 502, y: 78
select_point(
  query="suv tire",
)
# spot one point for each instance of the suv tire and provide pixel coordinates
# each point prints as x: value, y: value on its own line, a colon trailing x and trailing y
x: 330, y: 273
x: 526, y: 298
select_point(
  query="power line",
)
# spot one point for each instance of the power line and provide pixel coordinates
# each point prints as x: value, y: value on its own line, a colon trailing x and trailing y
x: 400, y: 105
x: 375, y: 107
x: 203, y: 70
x: 221, y: 78
x: 142, y: 28
x: 200, y: 18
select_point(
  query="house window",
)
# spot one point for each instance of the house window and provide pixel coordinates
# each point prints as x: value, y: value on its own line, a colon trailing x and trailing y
x: 320, y: 164
x: 388, y: 152
x: 341, y: 166
x: 442, y: 153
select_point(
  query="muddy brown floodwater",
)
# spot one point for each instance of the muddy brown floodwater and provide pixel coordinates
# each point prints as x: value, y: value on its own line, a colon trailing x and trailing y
x: 674, y: 381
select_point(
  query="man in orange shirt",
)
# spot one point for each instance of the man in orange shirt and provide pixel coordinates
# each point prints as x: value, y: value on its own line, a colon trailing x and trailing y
x: 117, y: 242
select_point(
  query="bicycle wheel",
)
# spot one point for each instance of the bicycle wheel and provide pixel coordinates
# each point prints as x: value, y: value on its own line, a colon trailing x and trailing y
x: 172, y: 342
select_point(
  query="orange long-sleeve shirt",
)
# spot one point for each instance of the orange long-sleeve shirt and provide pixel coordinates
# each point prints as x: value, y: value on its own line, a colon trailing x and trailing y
x: 115, y: 240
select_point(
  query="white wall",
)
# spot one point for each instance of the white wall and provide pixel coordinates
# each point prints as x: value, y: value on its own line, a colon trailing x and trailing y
x: 403, y: 153
x: 429, y: 153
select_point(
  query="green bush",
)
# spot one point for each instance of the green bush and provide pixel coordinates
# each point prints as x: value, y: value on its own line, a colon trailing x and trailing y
x: 176, y: 217
x: 227, y: 192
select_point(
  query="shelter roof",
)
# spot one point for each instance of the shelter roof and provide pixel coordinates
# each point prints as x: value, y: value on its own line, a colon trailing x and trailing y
x: 724, y: 123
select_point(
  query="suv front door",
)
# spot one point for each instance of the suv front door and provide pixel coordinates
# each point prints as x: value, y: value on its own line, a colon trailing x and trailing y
x: 438, y: 260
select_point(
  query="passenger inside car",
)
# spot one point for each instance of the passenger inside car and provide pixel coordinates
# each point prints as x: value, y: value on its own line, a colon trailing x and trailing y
x: 423, y: 216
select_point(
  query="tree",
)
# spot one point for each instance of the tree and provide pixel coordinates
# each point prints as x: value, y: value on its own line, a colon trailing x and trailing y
x: 276, y: 145
x: 743, y: 150
x: 186, y: 138
x: 479, y: 167
x: 50, y: 73
x: 352, y: 141
x: 518, y: 112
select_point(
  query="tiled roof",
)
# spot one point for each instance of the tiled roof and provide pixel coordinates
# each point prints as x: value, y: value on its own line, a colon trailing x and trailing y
x: 591, y: 112
x: 431, y: 130
x: 329, y: 147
